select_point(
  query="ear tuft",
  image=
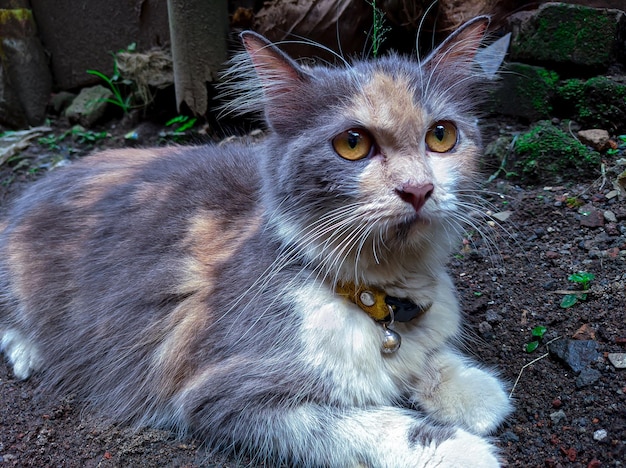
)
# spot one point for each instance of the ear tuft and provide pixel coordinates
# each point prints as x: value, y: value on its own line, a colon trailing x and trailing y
x: 462, y: 45
x: 278, y: 73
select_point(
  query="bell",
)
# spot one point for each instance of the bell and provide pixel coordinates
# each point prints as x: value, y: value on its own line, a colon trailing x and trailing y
x: 391, y: 341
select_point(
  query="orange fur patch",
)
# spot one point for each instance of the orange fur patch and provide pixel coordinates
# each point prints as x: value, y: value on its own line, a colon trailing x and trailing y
x: 209, y: 244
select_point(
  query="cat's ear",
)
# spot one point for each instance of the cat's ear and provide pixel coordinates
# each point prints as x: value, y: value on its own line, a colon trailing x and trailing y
x: 461, y: 46
x: 279, y: 74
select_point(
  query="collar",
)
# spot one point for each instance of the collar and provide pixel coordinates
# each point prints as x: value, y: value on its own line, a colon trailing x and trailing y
x: 380, y: 306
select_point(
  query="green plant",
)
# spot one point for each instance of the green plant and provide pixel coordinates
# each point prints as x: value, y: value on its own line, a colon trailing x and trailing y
x: 537, y: 334
x: 378, y: 28
x: 180, y: 125
x: 621, y: 146
x: 582, y: 278
x: 80, y: 134
x: 113, y: 82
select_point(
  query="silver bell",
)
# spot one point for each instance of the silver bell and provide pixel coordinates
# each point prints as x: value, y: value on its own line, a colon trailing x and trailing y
x: 391, y: 341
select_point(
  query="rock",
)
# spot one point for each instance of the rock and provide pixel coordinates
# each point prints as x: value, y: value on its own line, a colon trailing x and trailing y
x: 25, y: 79
x: 89, y: 106
x: 587, y: 377
x: 609, y: 216
x: 599, y: 102
x: 502, y: 215
x: 576, y: 354
x: 597, y: 138
x: 492, y: 316
x: 558, y: 416
x: 590, y: 216
x: 61, y: 101
x: 600, y: 434
x: 486, y: 330
x: 525, y: 91
x: 545, y: 152
x: 585, y: 333
x: 618, y: 360
x: 568, y: 36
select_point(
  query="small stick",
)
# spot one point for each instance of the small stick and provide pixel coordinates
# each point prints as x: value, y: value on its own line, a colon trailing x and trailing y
x: 522, y: 370
x: 519, y: 376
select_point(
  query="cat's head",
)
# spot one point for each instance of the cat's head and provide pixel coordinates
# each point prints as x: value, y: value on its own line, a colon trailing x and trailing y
x: 365, y: 162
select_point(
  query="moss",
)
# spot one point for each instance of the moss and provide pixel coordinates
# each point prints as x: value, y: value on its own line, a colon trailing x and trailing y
x: 597, y: 102
x: 16, y: 23
x: 547, y: 153
x: 16, y: 14
x: 540, y: 90
x: 568, y: 34
x: 526, y: 91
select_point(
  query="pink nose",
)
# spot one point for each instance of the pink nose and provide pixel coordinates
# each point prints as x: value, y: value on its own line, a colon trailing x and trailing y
x: 416, y: 195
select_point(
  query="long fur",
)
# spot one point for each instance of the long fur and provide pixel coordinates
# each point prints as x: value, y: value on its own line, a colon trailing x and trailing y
x: 194, y: 288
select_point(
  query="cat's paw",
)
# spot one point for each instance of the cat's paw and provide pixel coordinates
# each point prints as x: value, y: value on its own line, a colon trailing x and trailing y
x: 21, y: 354
x: 465, y: 450
x: 470, y: 397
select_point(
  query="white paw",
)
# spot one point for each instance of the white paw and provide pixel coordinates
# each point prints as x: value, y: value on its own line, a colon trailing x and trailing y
x: 465, y: 450
x: 22, y: 354
x: 469, y: 397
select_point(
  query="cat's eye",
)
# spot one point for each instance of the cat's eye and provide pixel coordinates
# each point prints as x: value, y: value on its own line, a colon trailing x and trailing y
x: 353, y: 144
x: 441, y: 137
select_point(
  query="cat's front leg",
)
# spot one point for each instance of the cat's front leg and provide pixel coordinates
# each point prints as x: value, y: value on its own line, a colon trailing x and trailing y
x: 453, y: 391
x: 310, y: 435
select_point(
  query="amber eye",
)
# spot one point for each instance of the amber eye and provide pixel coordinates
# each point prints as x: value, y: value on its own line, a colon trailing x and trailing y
x: 353, y: 144
x: 441, y: 137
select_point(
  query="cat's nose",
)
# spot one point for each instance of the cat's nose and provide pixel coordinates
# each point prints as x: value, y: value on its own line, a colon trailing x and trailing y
x: 416, y: 195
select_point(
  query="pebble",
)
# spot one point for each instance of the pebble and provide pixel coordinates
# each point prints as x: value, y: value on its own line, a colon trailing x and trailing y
x: 585, y: 332
x: 590, y: 216
x: 558, y: 416
x: 577, y: 354
x: 600, y: 434
x: 597, y: 138
x: 486, y: 330
x: 609, y: 216
x: 492, y: 316
x: 587, y: 377
x: 618, y: 360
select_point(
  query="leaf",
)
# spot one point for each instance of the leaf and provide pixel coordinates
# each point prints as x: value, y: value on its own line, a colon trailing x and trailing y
x: 539, y: 331
x: 568, y: 301
x: 530, y: 347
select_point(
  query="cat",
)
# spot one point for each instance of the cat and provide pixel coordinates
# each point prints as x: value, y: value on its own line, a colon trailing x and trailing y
x: 287, y: 300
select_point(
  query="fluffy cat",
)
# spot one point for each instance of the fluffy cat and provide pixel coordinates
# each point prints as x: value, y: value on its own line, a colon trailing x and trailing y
x: 224, y: 292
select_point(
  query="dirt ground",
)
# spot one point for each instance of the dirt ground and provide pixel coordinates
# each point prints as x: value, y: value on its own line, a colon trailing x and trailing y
x: 511, y: 279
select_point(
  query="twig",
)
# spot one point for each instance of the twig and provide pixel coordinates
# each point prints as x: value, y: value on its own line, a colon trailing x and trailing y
x: 519, y: 376
x: 568, y: 291
x: 522, y: 370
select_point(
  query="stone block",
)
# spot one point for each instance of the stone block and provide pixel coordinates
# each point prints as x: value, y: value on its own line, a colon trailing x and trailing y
x: 89, y: 106
x: 547, y: 153
x: 83, y: 35
x: 575, y: 38
x: 599, y: 102
x: 525, y: 91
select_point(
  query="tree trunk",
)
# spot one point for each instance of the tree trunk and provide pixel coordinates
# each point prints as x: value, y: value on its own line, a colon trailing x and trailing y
x: 198, y: 31
x: 25, y: 80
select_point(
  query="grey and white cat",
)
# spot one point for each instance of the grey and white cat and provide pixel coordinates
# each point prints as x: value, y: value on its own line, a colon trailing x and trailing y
x: 203, y: 289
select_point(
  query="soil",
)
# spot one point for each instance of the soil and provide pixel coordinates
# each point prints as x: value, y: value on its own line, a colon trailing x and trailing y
x: 511, y: 275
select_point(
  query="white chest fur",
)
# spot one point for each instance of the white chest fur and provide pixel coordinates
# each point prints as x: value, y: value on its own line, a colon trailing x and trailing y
x: 343, y: 344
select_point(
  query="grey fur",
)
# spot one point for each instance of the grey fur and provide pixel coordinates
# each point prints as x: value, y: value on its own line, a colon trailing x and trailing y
x: 187, y: 287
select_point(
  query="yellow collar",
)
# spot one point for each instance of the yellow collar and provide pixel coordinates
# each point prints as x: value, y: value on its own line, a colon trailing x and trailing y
x: 381, y: 307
